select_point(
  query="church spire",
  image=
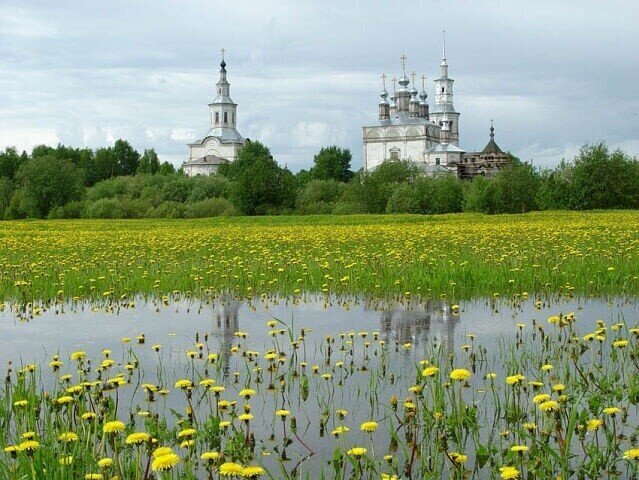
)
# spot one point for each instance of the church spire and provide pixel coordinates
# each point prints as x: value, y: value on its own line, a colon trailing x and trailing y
x: 444, y: 64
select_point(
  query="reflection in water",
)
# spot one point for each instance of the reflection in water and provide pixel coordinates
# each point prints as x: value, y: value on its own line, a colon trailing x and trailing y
x: 419, y: 323
x: 225, y: 323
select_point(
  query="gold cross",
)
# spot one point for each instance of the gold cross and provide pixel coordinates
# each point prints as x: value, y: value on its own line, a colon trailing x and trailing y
x: 413, y: 77
x: 423, y: 82
x: 394, y: 83
x: 384, y: 80
x: 403, y: 59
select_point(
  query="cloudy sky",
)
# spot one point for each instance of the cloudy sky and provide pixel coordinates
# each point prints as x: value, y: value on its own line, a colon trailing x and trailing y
x: 553, y: 74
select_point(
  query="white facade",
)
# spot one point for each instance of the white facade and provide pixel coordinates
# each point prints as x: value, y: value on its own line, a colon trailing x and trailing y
x: 222, y: 142
x: 407, y: 129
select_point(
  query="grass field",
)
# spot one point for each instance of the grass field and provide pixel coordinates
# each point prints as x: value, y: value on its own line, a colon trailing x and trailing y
x: 460, y: 256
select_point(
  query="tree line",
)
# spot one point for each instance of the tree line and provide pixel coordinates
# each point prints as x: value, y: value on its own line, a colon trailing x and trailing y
x: 119, y: 182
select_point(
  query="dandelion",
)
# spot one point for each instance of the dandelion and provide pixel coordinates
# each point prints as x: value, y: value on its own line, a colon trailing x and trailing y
x: 165, y: 462
x: 68, y: 437
x: 137, y: 438
x: 549, y: 406
x: 230, y: 469
x: 458, y: 458
x: 29, y: 446
x: 460, y: 374
x: 593, y: 424
x: 282, y: 413
x: 113, y: 427
x: 632, y: 454
x: 93, y: 476
x: 245, y: 417
x: 64, y: 400
x: 515, y: 379
x: 247, y: 393
x: 340, y: 430
x: 507, y: 473
x: 368, y: 427
x: 186, y: 433
x: 357, y: 452
x: 620, y: 343
x: 252, y: 471
x: 611, y: 411
x: 542, y: 397
x: 430, y: 371
x: 210, y: 456
x: 519, y: 448
x: 183, y: 384
x: 105, y: 462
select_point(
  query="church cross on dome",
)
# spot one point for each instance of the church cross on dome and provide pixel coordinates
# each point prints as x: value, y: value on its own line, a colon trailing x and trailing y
x: 384, y: 81
x: 403, y: 58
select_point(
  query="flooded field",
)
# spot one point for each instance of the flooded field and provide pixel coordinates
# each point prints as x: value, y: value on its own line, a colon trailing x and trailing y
x: 322, y: 387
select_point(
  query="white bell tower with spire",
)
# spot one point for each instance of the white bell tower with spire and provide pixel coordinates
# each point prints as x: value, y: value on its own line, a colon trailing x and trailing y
x: 444, y: 106
x: 222, y: 142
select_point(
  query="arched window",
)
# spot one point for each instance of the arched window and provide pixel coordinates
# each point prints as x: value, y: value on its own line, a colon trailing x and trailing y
x: 217, y: 118
x: 226, y: 117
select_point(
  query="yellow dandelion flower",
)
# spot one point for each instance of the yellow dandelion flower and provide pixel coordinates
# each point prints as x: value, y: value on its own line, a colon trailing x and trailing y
x: 460, y: 374
x: 230, y: 469
x: 165, y: 462
x: 68, y: 437
x: 137, y: 438
x: 113, y: 427
x: 357, y: 452
x: 507, y: 473
x: 368, y: 426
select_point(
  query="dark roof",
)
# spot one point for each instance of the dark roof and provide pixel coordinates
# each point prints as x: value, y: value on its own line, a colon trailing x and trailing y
x: 492, y: 147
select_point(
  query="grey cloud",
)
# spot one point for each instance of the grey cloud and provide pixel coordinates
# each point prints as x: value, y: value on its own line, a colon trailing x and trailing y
x: 553, y: 74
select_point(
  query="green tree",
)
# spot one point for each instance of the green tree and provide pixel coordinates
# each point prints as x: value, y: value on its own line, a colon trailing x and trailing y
x: 260, y: 185
x: 555, y: 188
x: 166, y: 168
x: 10, y: 162
x: 319, y: 196
x: 604, y: 179
x: 149, y: 162
x: 514, y: 189
x: 127, y: 159
x: 48, y: 182
x: 332, y: 163
x: 378, y: 186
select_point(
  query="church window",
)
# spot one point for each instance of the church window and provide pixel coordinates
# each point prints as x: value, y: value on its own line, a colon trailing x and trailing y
x: 442, y: 89
x: 226, y: 117
x: 437, y: 161
x: 232, y: 118
x: 217, y: 118
x: 394, y: 153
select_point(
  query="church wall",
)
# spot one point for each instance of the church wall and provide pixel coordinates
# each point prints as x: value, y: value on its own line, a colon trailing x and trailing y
x: 375, y: 154
x: 415, y: 150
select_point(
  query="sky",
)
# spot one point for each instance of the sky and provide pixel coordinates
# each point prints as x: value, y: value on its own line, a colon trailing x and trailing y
x: 553, y: 75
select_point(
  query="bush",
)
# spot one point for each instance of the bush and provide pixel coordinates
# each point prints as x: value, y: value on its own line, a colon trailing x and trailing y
x: 209, y: 187
x: 211, y: 207
x: 319, y: 196
x: 168, y: 209
x: 104, y: 208
x: 404, y: 199
x: 70, y: 210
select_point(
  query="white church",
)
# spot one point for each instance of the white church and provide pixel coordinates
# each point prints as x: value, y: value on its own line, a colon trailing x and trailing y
x: 222, y: 142
x: 408, y: 129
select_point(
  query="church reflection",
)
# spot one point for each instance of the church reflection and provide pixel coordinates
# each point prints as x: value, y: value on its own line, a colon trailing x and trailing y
x: 420, y: 324
x: 225, y: 324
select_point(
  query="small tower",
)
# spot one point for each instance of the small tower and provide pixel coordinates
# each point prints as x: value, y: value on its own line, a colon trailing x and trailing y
x: 423, y: 104
x: 444, y: 99
x: 403, y: 94
x: 384, y: 106
x: 223, y: 109
x: 413, y: 107
x: 393, y: 106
